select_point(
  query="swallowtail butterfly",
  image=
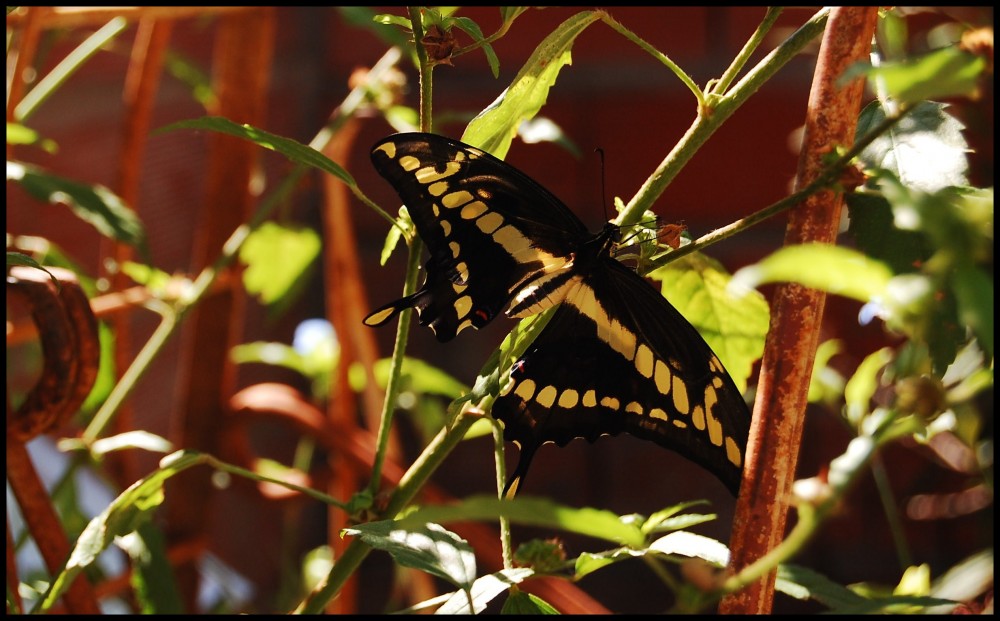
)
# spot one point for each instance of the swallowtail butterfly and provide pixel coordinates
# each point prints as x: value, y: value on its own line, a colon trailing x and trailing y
x: 616, y: 356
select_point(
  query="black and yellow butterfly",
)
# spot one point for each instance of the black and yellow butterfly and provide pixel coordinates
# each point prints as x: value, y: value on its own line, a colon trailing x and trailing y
x: 616, y: 356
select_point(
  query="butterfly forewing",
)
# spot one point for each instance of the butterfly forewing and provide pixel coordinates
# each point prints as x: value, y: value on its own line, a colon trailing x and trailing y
x: 490, y: 229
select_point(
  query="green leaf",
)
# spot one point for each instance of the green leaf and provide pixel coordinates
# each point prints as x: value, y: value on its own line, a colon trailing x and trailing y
x: 472, y: 29
x: 925, y: 150
x: 521, y: 603
x: 94, y: 204
x: 130, y: 509
x: 693, y: 546
x: 494, y: 128
x: 734, y: 325
x: 152, y: 574
x: 484, y: 590
x: 833, y: 269
x: 263, y: 352
x: 156, y: 280
x: 943, y: 73
x: 539, y: 512
x: 418, y: 376
x: 653, y: 522
x: 680, y: 522
x: 862, y: 385
x: 826, y: 384
x: 804, y: 583
x: 589, y: 562
x: 194, y: 77
x: 428, y: 547
x: 895, y: 604
x: 873, y: 228
x: 293, y: 150
x: 276, y: 257
x: 365, y: 18
x: 973, y: 289
x: 131, y: 440
x: 21, y: 134
x: 19, y: 258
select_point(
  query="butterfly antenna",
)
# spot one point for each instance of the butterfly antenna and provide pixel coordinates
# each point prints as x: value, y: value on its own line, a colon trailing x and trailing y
x: 604, y: 189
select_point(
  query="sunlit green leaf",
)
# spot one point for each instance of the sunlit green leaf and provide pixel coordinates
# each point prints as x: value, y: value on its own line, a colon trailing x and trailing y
x: 484, y: 590
x: 21, y: 134
x: 943, y: 73
x: 276, y: 257
x: 692, y: 545
x: 926, y: 150
x: 494, y: 128
x: 535, y: 512
x: 733, y: 323
x: 428, y: 547
x: 862, y: 385
x: 833, y: 269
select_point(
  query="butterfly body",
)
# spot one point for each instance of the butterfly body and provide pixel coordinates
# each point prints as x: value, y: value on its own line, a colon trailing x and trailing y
x: 616, y: 356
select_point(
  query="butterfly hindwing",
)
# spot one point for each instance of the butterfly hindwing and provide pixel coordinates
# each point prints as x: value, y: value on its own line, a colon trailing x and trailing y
x: 618, y: 357
x: 490, y: 229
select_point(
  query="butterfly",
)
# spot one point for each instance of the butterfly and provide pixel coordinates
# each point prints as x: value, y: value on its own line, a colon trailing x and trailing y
x: 615, y: 356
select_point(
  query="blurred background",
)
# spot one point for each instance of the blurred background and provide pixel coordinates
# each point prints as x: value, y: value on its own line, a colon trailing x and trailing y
x: 614, y: 97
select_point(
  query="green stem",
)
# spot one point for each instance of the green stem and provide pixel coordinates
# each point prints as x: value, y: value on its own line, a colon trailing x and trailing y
x: 722, y: 85
x: 657, y: 54
x: 415, y: 247
x: 67, y: 67
x: 825, y: 179
x: 706, y: 124
x: 411, y: 483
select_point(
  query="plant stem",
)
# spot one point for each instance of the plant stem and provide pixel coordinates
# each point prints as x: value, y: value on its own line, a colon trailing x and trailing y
x: 708, y: 121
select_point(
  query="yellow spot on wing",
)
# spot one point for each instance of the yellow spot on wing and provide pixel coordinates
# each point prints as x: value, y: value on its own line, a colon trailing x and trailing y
x: 490, y: 222
x: 389, y: 149
x: 589, y: 399
x: 462, y: 306
x: 658, y: 413
x: 525, y: 390
x: 546, y: 396
x: 680, y: 395
x: 409, y: 163
x: 610, y: 402
x: 456, y: 199
x: 430, y: 174
x: 662, y: 377
x: 634, y: 408
x: 733, y: 452
x: 714, y: 426
x: 379, y: 317
x: 644, y: 361
x: 473, y: 210
x: 569, y: 398
x: 698, y: 418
